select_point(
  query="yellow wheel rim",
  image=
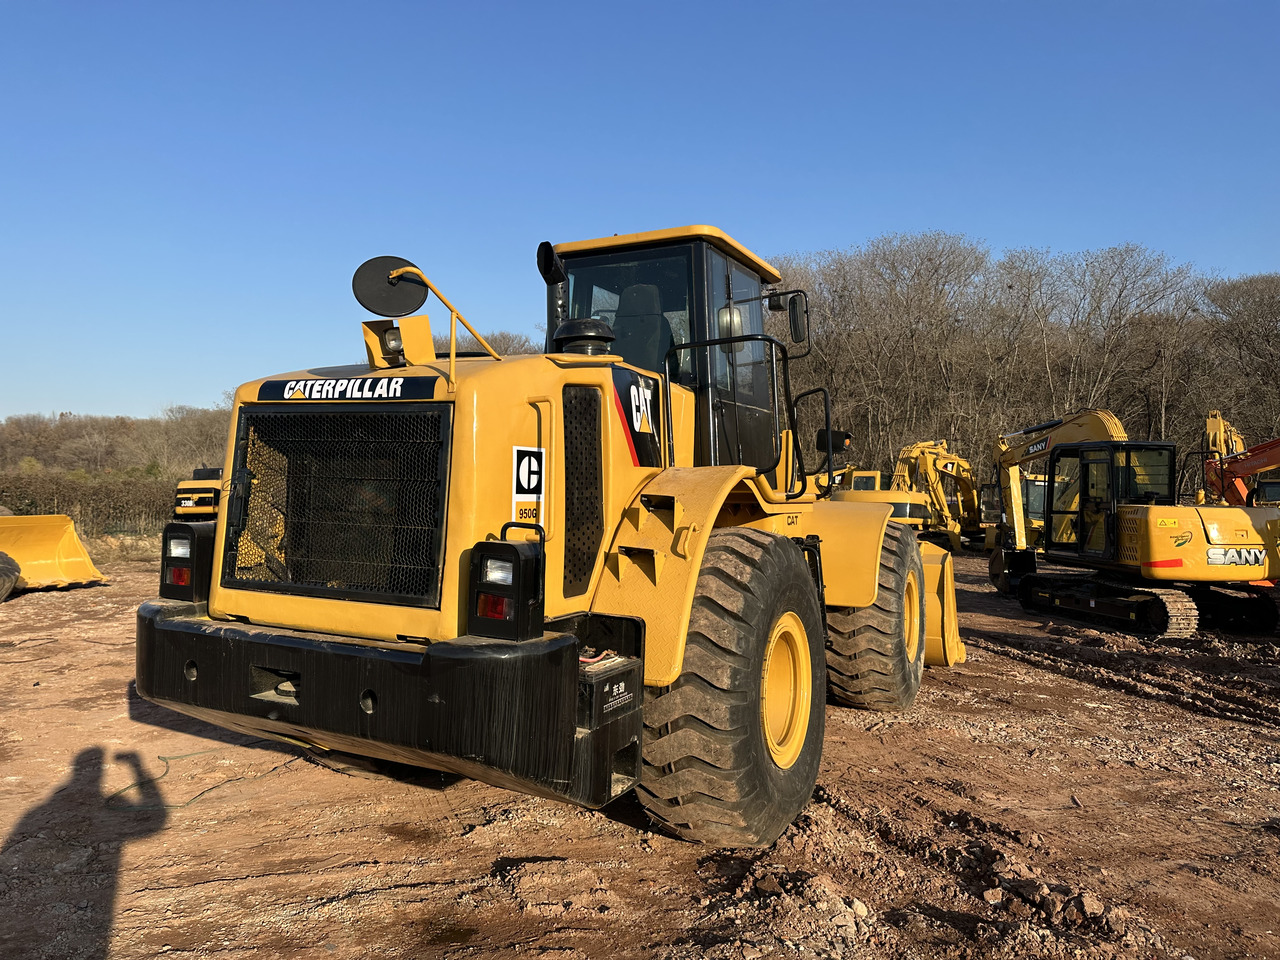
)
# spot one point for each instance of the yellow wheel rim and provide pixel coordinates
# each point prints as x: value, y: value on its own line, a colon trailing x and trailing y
x: 786, y: 690
x: 911, y: 616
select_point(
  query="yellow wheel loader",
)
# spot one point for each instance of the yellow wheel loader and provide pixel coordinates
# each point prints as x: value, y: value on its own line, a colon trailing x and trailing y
x: 43, y: 551
x: 865, y: 486
x: 578, y: 573
x: 197, y: 499
x: 1112, y: 508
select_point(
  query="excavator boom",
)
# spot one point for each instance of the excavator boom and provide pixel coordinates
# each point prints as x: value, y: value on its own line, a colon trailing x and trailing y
x: 1225, y: 477
x: 920, y: 469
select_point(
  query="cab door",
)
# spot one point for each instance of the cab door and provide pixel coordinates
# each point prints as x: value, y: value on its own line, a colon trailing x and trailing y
x: 738, y: 411
x: 1097, y: 505
x: 1062, y: 521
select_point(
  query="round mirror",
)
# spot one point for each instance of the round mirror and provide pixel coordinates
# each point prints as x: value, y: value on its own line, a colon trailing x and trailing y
x: 388, y: 298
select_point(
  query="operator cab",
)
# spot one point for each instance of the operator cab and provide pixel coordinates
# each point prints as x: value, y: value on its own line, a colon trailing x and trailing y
x: 1090, y: 481
x: 670, y: 299
x: 1265, y: 494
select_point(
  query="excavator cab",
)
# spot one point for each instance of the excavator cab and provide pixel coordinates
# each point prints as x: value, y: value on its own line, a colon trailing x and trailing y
x: 1266, y: 493
x: 1090, y: 481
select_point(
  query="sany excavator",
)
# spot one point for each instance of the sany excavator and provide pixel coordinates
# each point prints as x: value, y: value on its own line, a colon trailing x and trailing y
x: 1230, y: 468
x: 955, y: 514
x: 1112, y: 509
x: 1017, y: 541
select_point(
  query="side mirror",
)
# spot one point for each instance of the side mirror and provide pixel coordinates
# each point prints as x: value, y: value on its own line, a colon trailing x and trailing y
x: 729, y: 324
x: 798, y: 314
x: 840, y: 440
x: 379, y: 294
x: 550, y: 265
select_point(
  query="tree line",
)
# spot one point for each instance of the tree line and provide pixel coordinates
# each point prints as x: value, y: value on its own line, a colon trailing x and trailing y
x: 930, y: 336
x: 916, y: 336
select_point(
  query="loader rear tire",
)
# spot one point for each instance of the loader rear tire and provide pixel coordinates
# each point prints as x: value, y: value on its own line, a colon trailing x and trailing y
x: 9, y: 571
x: 731, y: 749
x: 875, y: 654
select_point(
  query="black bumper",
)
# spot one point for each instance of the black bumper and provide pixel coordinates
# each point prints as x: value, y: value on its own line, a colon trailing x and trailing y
x: 521, y: 715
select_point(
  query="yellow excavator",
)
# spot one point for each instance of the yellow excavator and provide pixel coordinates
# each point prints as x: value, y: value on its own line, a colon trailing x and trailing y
x: 43, y: 551
x: 197, y: 499
x: 1016, y: 541
x: 1112, y: 508
x: 955, y: 517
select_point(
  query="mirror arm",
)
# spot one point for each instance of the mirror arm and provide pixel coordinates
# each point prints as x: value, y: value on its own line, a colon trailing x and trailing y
x: 454, y: 317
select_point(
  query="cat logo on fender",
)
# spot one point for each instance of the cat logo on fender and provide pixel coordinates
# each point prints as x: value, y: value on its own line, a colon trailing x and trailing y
x: 639, y: 408
x: 528, y: 473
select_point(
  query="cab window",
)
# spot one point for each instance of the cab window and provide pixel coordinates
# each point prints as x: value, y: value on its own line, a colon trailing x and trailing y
x: 1144, y: 476
x: 645, y: 297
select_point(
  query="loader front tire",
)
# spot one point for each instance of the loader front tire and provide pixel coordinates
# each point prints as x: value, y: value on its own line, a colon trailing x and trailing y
x: 875, y: 654
x: 731, y: 749
x: 9, y: 571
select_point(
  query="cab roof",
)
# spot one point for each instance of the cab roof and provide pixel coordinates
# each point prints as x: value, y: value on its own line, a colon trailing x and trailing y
x: 713, y: 235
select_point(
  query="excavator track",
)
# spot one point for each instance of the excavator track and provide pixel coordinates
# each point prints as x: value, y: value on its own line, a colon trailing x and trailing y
x: 1254, y: 610
x: 1155, y: 611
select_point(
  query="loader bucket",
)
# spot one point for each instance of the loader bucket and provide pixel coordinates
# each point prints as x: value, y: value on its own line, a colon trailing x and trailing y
x: 943, y: 646
x: 47, y: 551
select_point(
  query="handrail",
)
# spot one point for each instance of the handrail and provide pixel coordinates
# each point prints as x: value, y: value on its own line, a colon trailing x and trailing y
x: 776, y: 346
x: 454, y: 317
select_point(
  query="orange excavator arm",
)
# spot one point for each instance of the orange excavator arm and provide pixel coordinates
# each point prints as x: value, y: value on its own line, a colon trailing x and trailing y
x: 1225, y: 477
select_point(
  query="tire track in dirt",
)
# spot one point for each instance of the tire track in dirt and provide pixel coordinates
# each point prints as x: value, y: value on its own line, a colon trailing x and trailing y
x: 1129, y: 673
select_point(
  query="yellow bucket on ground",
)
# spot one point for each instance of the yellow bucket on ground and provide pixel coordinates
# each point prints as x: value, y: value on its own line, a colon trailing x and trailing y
x: 47, y: 551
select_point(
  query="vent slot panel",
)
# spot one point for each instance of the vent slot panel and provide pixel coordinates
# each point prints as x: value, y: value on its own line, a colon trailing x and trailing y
x: 583, y: 487
x: 330, y: 501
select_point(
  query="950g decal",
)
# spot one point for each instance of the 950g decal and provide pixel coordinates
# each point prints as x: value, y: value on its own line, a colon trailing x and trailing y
x: 528, y: 480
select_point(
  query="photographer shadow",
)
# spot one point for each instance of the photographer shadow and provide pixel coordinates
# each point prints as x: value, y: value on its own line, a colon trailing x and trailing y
x: 60, y: 864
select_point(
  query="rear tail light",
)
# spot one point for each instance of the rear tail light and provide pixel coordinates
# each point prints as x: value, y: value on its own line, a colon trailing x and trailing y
x: 506, y: 587
x: 186, y: 561
x: 493, y: 607
x: 179, y: 576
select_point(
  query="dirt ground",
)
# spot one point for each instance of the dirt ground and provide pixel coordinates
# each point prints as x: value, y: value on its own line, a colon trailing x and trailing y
x: 1064, y: 793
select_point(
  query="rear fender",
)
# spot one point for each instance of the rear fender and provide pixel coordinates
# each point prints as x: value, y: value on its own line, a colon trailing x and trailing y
x: 851, y: 534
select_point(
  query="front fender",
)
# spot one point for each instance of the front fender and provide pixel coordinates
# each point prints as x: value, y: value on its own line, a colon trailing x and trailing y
x: 652, y: 565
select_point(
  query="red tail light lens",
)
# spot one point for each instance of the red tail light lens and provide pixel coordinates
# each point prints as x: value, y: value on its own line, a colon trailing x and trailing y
x: 493, y: 607
x: 178, y: 576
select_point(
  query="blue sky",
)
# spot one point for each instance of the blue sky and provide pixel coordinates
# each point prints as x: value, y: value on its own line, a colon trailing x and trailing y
x: 185, y: 189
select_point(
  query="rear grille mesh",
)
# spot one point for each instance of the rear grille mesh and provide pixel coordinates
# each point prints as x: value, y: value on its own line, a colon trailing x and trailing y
x: 583, y: 491
x: 339, y: 503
